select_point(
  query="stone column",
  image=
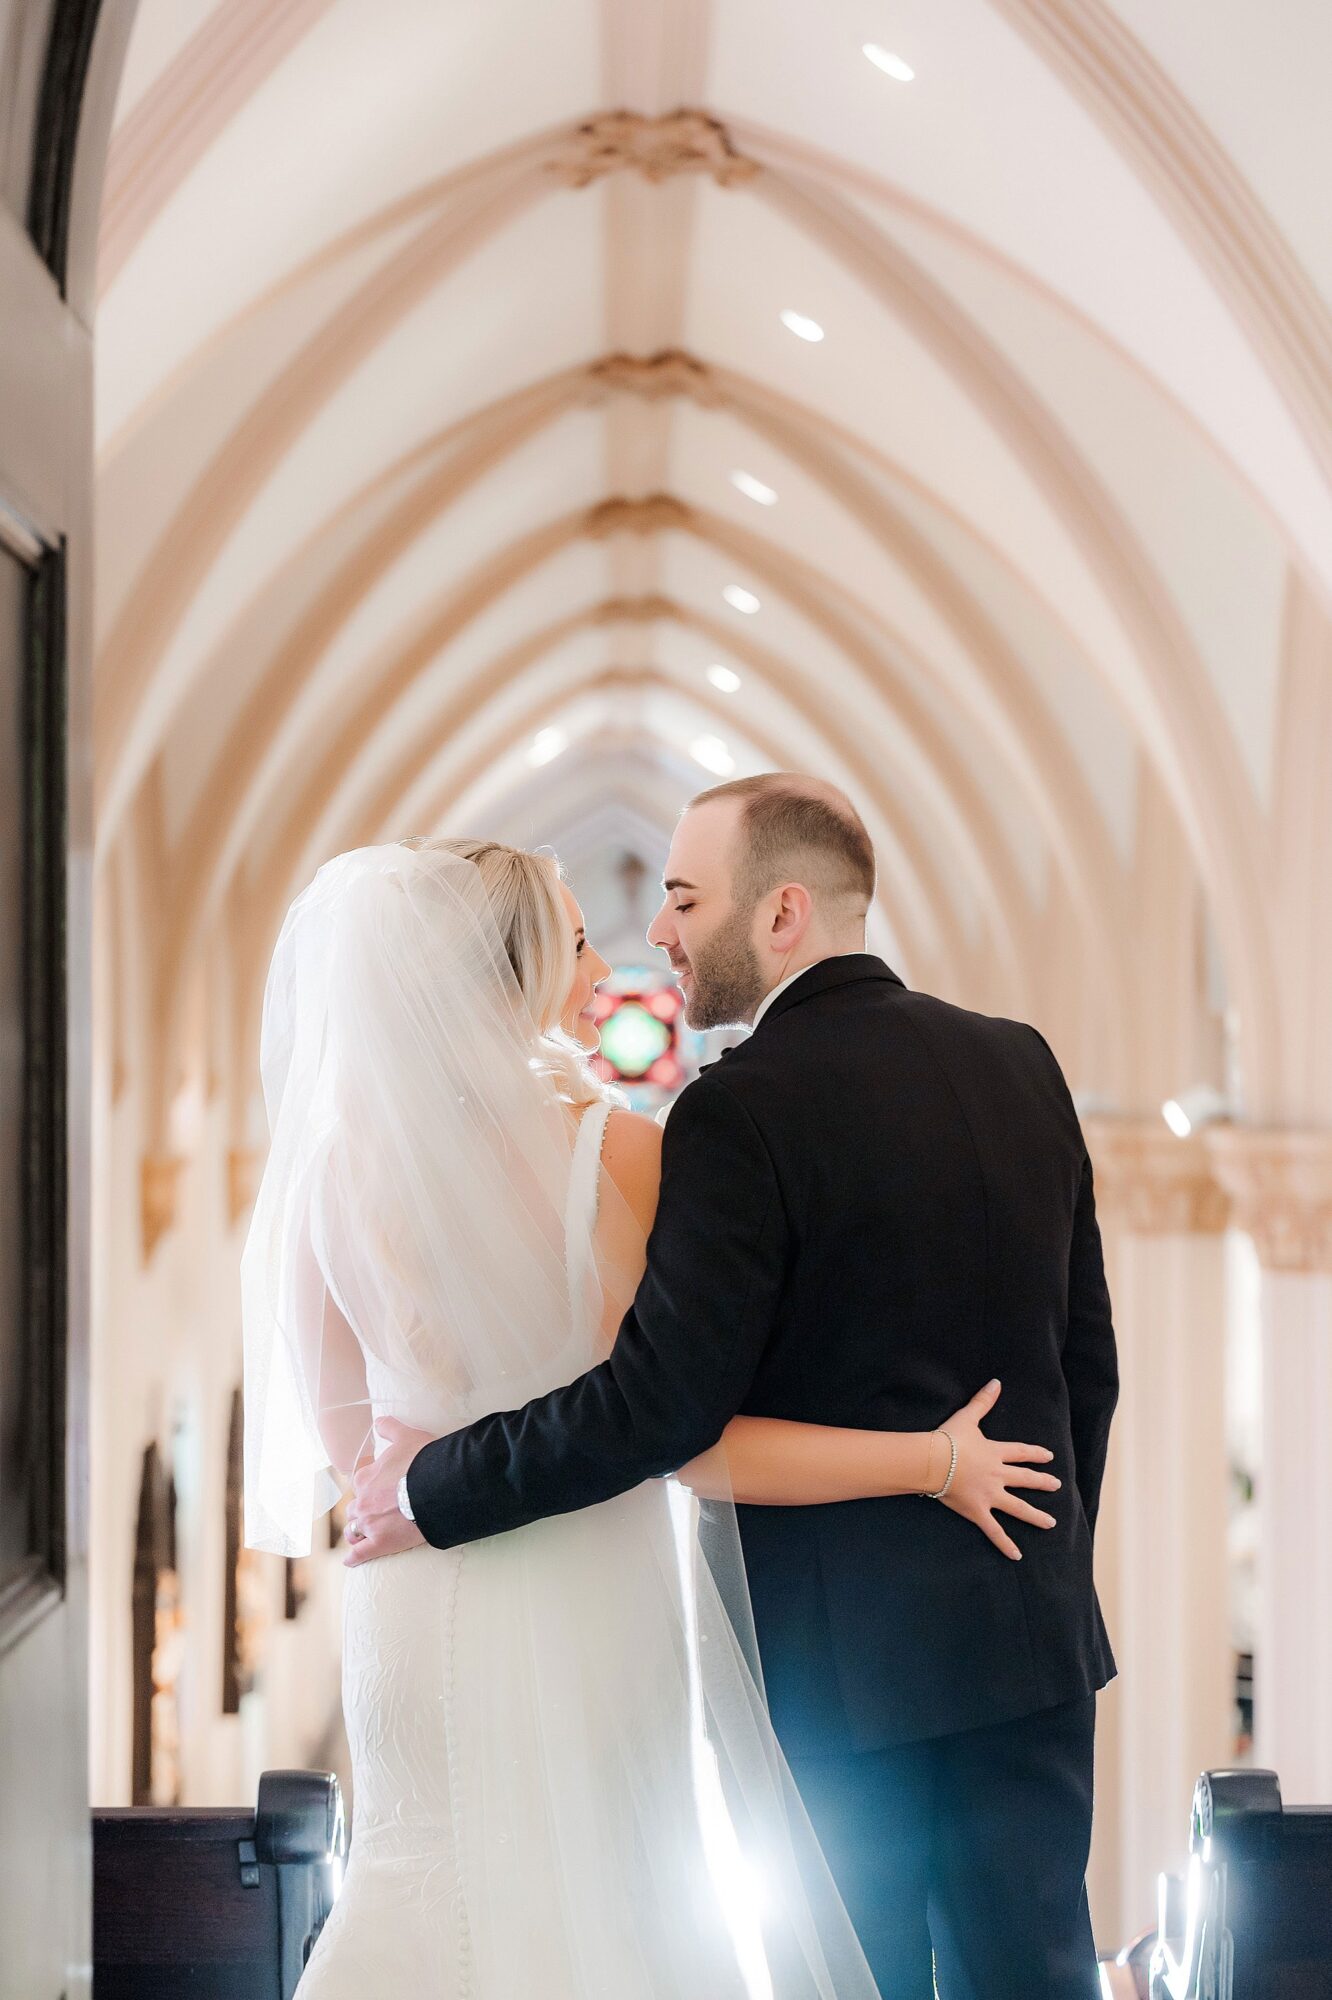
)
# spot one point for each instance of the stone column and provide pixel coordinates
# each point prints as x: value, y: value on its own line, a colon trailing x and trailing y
x: 1161, y: 1554
x: 1281, y: 1184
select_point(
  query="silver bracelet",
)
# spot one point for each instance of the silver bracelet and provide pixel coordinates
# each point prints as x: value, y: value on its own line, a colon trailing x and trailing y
x: 942, y: 1494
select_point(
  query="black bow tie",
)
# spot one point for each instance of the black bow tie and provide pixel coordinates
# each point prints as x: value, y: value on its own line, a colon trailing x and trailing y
x: 716, y: 1059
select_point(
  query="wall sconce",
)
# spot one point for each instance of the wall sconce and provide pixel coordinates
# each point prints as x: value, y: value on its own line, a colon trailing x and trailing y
x: 1201, y: 1105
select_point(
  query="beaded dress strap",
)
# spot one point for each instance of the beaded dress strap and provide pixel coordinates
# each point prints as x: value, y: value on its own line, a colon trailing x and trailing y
x: 580, y: 1214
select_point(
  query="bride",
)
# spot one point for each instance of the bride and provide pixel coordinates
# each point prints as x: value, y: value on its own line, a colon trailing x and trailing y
x: 565, y: 1783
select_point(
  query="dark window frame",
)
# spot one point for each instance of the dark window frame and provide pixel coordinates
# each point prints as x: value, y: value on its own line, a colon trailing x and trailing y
x: 36, y: 1584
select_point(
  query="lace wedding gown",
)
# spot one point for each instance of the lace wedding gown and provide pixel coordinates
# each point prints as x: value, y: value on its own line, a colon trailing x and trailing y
x: 511, y: 1838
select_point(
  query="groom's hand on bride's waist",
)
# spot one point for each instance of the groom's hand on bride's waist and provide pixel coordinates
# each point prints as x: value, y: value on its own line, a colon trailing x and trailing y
x: 376, y: 1524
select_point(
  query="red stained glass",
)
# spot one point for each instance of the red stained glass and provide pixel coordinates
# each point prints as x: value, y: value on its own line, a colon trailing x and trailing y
x: 639, y: 1027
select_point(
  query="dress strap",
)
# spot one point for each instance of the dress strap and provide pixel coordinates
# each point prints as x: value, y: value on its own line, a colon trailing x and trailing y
x: 580, y: 1214
x: 588, y: 1143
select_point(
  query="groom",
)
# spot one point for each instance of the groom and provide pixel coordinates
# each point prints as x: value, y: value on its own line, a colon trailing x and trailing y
x: 868, y: 1209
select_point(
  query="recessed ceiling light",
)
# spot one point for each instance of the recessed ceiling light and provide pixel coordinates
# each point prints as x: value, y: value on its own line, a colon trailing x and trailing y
x: 754, y: 489
x: 890, y: 64
x: 713, y: 755
x: 725, y: 678
x: 545, y: 745
x: 740, y: 599
x: 801, y: 325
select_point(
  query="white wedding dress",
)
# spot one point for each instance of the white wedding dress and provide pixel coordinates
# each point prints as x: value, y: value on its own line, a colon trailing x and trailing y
x: 455, y: 1887
x: 543, y: 1724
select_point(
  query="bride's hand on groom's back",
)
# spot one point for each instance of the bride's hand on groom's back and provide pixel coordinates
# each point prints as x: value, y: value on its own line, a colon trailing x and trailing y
x: 987, y: 1470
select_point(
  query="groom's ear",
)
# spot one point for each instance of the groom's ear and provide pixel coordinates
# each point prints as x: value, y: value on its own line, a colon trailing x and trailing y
x: 792, y: 906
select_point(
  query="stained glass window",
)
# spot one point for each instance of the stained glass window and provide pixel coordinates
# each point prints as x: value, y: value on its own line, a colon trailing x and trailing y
x: 645, y: 1047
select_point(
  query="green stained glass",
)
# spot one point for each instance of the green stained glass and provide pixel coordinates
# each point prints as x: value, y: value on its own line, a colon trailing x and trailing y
x: 632, y: 1039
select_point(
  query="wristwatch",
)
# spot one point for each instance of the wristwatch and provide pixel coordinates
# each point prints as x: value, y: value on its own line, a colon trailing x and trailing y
x: 404, y: 1504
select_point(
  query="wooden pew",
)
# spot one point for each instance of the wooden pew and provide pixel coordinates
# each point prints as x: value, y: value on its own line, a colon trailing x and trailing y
x: 216, y: 1904
x: 1252, y: 1918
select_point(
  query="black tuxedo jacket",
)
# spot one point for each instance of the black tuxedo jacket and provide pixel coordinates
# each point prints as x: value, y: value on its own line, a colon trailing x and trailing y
x: 868, y: 1209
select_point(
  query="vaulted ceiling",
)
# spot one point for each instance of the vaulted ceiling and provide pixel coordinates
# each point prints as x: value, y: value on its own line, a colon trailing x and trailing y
x: 433, y: 337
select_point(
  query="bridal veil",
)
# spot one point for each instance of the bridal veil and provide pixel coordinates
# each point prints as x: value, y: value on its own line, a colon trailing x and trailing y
x: 415, y: 1251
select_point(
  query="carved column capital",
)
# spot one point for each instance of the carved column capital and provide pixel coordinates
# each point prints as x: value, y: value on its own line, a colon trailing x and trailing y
x: 243, y: 1164
x: 1150, y: 1182
x: 1281, y: 1185
x: 159, y: 1189
x: 681, y: 142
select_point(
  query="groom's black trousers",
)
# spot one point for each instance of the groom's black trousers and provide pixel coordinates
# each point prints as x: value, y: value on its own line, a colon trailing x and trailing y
x: 970, y: 1851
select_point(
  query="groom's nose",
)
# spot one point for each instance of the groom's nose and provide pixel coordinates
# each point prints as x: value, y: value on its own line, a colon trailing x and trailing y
x: 661, y: 931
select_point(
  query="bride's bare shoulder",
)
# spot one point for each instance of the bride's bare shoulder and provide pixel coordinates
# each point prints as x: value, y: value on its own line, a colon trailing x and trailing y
x: 631, y: 1156
x: 633, y: 1144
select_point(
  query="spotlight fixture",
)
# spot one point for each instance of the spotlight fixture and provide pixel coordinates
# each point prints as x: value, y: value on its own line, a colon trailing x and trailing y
x: 754, y: 489
x: 801, y: 325
x: 713, y: 755
x: 891, y: 65
x: 741, y: 599
x: 725, y: 678
x: 546, y: 745
x: 1201, y: 1105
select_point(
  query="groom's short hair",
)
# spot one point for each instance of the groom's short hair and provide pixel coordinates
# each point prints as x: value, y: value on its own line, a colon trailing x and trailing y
x: 794, y: 828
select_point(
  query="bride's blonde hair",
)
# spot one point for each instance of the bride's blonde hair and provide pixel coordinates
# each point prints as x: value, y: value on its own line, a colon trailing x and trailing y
x: 523, y: 891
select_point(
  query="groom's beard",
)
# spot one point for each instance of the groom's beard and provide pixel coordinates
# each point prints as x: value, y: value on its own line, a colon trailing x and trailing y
x: 728, y: 980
